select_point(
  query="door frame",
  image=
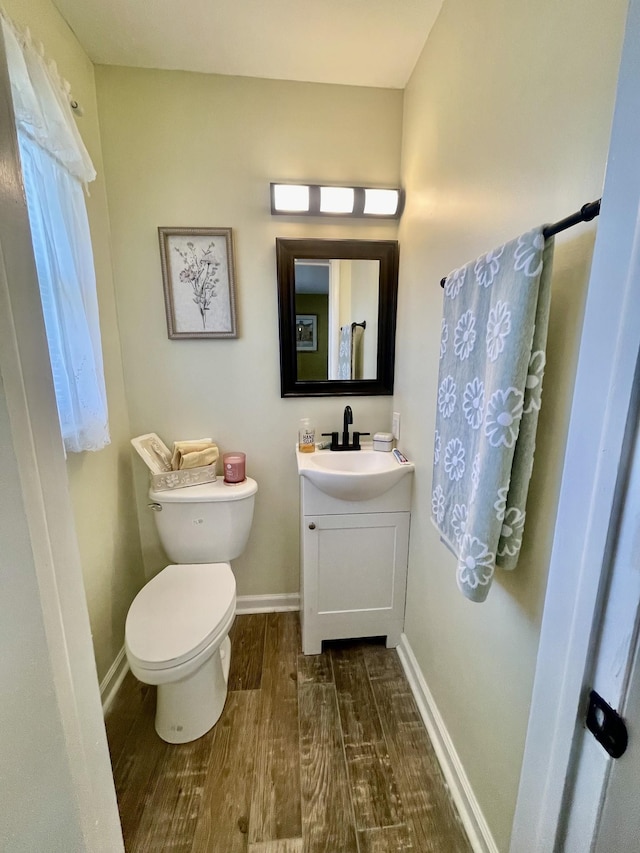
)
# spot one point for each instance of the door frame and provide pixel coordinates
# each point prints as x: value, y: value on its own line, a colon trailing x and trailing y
x: 595, y: 456
x: 37, y: 445
x: 333, y: 332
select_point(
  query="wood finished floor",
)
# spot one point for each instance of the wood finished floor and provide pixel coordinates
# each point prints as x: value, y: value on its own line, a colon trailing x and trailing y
x: 320, y: 754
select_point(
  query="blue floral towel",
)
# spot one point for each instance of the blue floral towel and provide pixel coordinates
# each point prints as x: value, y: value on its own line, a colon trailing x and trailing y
x: 492, y: 357
x: 345, y: 352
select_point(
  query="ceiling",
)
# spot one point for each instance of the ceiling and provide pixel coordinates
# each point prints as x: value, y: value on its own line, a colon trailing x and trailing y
x: 352, y: 42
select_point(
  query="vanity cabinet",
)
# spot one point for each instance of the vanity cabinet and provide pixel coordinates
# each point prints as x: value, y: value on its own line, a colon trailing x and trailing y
x: 354, y: 558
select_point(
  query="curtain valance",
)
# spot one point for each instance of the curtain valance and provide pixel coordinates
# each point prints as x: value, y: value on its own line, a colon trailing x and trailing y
x: 41, y: 103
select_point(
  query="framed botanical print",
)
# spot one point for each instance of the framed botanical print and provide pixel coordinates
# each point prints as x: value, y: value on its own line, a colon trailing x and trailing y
x: 199, y: 282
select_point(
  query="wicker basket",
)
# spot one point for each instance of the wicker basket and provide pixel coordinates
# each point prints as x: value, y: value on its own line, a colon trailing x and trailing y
x: 179, y: 479
x: 157, y: 458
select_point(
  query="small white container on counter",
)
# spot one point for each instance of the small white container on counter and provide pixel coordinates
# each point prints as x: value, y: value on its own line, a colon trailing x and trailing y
x: 383, y: 441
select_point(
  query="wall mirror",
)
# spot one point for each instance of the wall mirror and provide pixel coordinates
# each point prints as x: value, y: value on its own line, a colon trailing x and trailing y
x: 337, y: 301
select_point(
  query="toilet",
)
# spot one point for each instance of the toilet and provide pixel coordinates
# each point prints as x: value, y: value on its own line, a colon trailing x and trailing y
x: 176, y: 633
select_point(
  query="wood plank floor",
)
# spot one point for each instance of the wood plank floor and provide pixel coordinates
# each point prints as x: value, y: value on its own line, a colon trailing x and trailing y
x: 312, y: 754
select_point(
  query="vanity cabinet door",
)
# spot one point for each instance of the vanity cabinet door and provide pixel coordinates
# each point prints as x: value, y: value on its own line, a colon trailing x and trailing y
x: 354, y: 577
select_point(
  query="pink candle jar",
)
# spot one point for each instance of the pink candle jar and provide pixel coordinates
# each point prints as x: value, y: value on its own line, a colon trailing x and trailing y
x: 234, y: 467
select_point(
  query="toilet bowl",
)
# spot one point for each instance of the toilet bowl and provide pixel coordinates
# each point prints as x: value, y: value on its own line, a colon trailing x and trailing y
x: 176, y: 632
x: 176, y: 637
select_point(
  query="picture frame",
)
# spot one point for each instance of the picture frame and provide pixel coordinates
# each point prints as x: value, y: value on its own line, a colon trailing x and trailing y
x: 199, y: 282
x: 306, y: 332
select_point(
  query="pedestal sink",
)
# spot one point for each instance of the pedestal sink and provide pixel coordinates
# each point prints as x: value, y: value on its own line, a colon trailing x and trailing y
x: 352, y: 475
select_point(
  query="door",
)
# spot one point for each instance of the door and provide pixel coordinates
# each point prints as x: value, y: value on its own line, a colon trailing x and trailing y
x: 588, y: 510
x: 619, y: 827
x: 355, y: 576
x: 602, y: 811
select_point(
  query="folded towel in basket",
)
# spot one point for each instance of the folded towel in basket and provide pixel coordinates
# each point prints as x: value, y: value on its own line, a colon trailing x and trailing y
x: 194, y: 454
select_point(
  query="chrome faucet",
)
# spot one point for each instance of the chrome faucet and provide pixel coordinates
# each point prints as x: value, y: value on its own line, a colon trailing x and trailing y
x: 346, y: 445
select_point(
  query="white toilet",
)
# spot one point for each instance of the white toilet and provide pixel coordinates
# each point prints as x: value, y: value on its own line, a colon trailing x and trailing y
x: 176, y: 633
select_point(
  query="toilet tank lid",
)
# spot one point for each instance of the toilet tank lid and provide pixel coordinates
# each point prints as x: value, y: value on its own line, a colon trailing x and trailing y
x: 206, y: 492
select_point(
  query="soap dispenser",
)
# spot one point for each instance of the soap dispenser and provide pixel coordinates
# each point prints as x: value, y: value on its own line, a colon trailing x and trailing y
x: 306, y: 437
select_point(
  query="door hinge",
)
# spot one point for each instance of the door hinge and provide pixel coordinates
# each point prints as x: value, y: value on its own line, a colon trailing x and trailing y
x: 606, y: 725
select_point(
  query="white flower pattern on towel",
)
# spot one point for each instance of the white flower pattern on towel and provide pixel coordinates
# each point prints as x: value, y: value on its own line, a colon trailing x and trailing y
x: 437, y: 504
x: 473, y: 403
x: 444, y: 337
x: 477, y: 563
x: 454, y: 464
x: 475, y: 476
x: 436, y: 447
x: 459, y: 521
x: 455, y: 280
x: 528, y: 251
x: 487, y: 266
x: 511, y: 533
x: 498, y: 328
x: 447, y: 397
x: 502, y: 423
x: 465, y: 335
x: 533, y: 388
x: 500, y: 505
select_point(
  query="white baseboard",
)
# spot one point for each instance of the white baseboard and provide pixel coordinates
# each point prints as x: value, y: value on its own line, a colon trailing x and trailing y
x: 110, y: 684
x: 462, y: 793
x: 268, y: 603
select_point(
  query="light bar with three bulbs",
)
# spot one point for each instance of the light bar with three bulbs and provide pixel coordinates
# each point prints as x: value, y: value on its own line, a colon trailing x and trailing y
x: 320, y: 200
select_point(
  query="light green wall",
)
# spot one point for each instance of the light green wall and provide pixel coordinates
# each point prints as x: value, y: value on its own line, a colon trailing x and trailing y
x: 506, y: 124
x: 100, y: 483
x: 185, y: 149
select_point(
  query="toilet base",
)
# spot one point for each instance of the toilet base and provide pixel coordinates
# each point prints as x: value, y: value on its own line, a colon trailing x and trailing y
x: 187, y: 709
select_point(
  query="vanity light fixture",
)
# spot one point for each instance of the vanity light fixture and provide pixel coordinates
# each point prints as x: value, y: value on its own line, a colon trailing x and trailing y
x: 323, y: 200
x: 289, y: 198
x: 337, y: 199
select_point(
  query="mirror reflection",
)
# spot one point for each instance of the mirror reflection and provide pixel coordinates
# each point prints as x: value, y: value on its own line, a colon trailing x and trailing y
x: 337, y: 302
x: 336, y: 306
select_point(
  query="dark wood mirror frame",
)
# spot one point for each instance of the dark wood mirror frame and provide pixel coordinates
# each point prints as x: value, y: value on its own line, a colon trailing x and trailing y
x: 384, y: 251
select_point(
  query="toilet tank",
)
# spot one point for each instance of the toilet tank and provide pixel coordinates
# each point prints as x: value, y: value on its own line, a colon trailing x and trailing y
x: 205, y: 524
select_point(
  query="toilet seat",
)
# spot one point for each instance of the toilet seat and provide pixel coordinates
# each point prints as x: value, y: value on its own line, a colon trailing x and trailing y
x: 179, y: 613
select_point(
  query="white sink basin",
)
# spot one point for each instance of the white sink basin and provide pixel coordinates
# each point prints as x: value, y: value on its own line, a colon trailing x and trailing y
x: 352, y: 475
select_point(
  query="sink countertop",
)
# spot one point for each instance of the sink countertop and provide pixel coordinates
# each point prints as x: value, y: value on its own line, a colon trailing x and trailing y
x: 352, y: 474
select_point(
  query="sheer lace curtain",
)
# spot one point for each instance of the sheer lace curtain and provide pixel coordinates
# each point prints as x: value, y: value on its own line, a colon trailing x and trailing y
x: 56, y: 166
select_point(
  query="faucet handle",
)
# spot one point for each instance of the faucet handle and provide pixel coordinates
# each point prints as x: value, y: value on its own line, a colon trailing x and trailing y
x: 356, y: 438
x: 334, y: 439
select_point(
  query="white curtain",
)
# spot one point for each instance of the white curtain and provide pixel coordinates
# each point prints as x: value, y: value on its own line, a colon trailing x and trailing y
x: 56, y: 166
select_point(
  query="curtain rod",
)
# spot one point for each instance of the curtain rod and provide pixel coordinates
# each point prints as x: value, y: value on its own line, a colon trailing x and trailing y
x: 586, y: 213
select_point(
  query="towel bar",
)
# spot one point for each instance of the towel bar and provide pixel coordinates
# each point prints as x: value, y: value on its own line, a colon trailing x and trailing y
x: 586, y: 213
